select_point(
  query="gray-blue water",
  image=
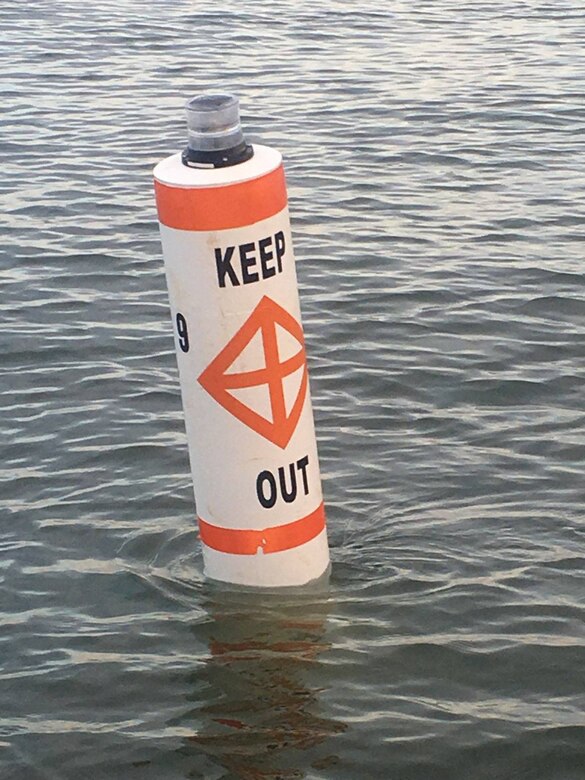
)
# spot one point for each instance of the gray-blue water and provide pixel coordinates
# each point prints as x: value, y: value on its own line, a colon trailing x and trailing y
x: 436, y: 167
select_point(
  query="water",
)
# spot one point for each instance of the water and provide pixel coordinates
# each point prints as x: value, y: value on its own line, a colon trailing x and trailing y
x: 435, y: 162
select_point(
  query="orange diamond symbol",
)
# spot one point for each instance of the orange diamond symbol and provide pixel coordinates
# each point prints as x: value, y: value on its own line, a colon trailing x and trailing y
x: 218, y: 380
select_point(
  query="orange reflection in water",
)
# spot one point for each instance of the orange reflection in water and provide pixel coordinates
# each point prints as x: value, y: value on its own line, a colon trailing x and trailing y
x: 263, y: 721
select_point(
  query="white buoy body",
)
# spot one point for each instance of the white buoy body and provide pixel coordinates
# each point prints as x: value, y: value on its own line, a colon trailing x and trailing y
x: 233, y: 293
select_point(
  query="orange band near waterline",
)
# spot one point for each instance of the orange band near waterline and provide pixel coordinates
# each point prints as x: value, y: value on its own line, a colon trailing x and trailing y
x: 239, y: 541
x: 224, y: 207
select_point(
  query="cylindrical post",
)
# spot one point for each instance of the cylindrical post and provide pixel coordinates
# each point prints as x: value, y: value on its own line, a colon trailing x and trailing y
x: 230, y: 269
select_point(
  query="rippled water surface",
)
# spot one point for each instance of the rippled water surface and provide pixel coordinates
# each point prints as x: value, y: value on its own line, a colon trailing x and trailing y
x: 436, y: 170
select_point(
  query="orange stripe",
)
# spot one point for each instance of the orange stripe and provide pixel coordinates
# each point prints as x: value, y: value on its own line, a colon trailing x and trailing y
x: 239, y: 541
x: 221, y: 208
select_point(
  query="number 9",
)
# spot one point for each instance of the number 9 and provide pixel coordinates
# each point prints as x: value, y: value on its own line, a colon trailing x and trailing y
x: 182, y: 333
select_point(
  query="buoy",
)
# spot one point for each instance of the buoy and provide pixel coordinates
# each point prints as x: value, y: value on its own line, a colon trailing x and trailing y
x: 230, y: 269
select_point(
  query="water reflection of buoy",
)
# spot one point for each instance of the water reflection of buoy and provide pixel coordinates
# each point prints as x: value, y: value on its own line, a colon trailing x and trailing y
x: 258, y: 712
x: 230, y: 267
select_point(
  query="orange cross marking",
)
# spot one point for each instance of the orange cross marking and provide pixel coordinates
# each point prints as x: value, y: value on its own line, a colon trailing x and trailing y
x: 214, y: 379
